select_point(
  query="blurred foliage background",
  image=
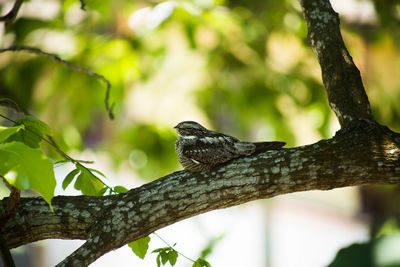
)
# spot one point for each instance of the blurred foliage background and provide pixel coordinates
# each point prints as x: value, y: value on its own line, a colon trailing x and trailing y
x: 241, y: 67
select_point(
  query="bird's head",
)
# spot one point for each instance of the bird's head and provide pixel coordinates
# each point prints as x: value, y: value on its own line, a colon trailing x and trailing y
x: 186, y: 128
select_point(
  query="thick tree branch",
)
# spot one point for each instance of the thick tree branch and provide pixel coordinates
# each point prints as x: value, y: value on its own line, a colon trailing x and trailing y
x: 366, y: 154
x: 340, y: 75
x: 12, y: 14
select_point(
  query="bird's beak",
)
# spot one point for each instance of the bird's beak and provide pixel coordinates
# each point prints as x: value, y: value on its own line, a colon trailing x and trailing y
x: 176, y: 128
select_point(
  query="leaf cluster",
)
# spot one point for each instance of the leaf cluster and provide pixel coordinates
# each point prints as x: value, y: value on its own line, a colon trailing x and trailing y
x: 22, y: 162
x: 165, y: 254
x: 24, y: 165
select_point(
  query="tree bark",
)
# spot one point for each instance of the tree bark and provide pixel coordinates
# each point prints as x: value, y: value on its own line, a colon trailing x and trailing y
x: 366, y: 154
x: 362, y: 152
x: 340, y: 75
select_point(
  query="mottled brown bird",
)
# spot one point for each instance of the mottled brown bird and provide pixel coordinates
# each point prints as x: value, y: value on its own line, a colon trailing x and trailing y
x: 201, y: 149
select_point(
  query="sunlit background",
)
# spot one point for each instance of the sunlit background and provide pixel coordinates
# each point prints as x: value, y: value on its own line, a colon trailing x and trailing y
x: 242, y: 67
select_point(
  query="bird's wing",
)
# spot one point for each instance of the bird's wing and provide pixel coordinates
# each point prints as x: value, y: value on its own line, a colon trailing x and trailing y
x: 211, y: 150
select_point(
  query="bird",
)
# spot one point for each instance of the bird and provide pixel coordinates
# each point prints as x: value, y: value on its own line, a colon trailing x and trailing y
x: 201, y: 149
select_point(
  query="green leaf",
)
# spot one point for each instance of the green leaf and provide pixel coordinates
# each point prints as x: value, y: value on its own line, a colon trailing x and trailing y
x: 27, y: 168
x: 161, y: 249
x: 355, y: 255
x: 61, y: 161
x: 6, y: 132
x: 97, y: 171
x: 172, y: 256
x: 102, y: 191
x: 31, y: 132
x: 158, y: 260
x: 201, y: 263
x: 164, y: 257
x: 166, y: 254
x: 36, y: 125
x: 29, y: 138
x: 68, y: 179
x: 87, y: 182
x: 120, y: 189
x: 210, y: 246
x: 140, y: 247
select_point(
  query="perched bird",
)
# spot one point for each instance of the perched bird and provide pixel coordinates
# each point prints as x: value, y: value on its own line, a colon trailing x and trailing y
x: 201, y: 149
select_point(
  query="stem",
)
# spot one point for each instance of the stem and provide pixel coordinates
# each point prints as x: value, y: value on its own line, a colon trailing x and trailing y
x: 51, y: 142
x: 172, y: 247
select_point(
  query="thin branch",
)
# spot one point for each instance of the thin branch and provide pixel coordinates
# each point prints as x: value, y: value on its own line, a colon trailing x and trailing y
x: 10, y: 16
x: 62, y: 153
x: 38, y: 51
x: 10, y: 103
x: 165, y: 242
x: 49, y: 140
x: 83, y: 4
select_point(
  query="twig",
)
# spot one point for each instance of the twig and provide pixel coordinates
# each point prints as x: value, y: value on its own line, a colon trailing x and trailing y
x: 10, y: 16
x: 172, y: 247
x: 10, y: 103
x: 38, y: 51
x: 62, y: 153
x: 83, y: 4
x: 51, y: 142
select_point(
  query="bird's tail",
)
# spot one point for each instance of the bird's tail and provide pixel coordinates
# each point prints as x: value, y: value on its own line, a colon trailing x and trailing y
x: 244, y: 148
x: 265, y: 146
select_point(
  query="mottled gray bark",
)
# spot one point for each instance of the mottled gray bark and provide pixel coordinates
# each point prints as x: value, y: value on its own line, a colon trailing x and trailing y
x: 363, y: 152
x: 340, y: 75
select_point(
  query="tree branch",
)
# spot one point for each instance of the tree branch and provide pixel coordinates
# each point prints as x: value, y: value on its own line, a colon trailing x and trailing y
x: 366, y: 154
x: 340, y: 75
x: 83, y: 4
x: 37, y: 51
x: 12, y: 14
x: 8, y: 261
